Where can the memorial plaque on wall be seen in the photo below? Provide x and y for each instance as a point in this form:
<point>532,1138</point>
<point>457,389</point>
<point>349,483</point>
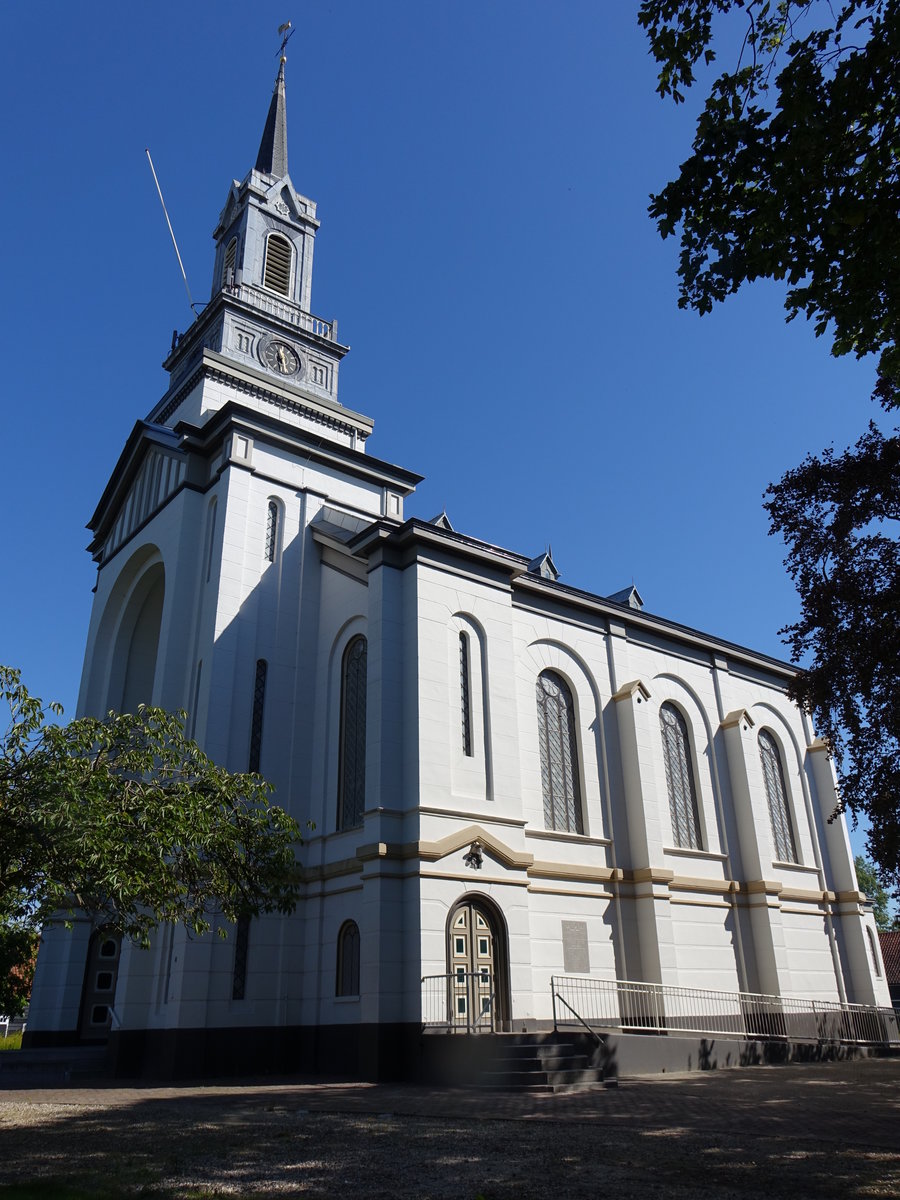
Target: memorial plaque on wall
<point>575,948</point>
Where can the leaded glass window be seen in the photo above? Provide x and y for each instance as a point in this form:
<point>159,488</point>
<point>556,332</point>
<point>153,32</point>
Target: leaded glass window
<point>277,272</point>
<point>239,972</point>
<point>776,794</point>
<point>347,981</point>
<point>680,778</point>
<point>352,767</point>
<point>559,754</point>
<point>465,710</point>
<point>256,721</point>
<point>271,531</point>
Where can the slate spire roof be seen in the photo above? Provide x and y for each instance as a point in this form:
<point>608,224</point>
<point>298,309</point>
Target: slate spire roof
<point>272,158</point>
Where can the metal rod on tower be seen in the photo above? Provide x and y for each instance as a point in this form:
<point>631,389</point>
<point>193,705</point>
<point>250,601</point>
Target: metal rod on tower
<point>171,231</point>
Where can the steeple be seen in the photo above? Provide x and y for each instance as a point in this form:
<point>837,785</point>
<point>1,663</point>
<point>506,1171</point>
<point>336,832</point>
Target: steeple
<point>273,155</point>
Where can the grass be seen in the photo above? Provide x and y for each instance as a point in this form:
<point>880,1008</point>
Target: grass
<point>12,1041</point>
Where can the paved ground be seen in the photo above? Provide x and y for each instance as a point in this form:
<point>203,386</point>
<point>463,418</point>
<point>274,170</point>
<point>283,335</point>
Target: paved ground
<point>780,1132</point>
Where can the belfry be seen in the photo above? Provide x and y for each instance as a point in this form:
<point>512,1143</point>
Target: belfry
<point>533,808</point>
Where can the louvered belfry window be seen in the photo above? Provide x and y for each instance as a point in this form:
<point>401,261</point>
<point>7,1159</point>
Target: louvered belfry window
<point>347,982</point>
<point>680,778</point>
<point>277,273</point>
<point>464,704</point>
<point>776,794</point>
<point>228,265</point>
<point>352,767</point>
<point>559,754</point>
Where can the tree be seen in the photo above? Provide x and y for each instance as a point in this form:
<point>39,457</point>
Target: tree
<point>126,820</point>
<point>795,175</point>
<point>867,878</point>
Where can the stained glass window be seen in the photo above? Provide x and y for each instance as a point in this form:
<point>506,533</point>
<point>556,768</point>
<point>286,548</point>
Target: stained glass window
<point>271,531</point>
<point>348,960</point>
<point>256,721</point>
<point>464,704</point>
<point>680,778</point>
<point>352,770</point>
<point>776,794</point>
<point>559,754</point>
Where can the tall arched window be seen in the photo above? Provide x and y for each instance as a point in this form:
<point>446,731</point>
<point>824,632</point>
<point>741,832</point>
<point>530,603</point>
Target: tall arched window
<point>271,545</point>
<point>352,766</point>
<point>559,754</point>
<point>776,794</point>
<point>465,709</point>
<point>277,270</point>
<point>680,778</point>
<point>347,977</point>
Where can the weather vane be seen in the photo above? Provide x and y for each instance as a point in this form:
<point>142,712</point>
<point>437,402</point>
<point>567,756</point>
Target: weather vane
<point>286,33</point>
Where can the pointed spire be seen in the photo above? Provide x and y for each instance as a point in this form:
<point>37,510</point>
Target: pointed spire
<point>272,158</point>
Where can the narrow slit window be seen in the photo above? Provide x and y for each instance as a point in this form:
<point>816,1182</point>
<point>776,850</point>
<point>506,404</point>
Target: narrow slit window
<point>873,947</point>
<point>271,531</point>
<point>347,982</point>
<point>680,778</point>
<point>241,946</point>
<point>465,707</point>
<point>352,765</point>
<point>256,720</point>
<point>277,272</point>
<point>559,754</point>
<point>776,795</point>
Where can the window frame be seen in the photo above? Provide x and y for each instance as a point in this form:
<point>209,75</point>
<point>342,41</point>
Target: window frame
<point>693,821</point>
<point>345,821</point>
<point>276,291</point>
<point>348,939</point>
<point>574,803</point>
<point>773,747</point>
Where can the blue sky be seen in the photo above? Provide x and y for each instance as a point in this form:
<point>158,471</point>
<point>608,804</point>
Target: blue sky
<point>482,172</point>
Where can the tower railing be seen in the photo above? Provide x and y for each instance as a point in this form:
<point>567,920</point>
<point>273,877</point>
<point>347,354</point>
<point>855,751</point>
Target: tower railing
<point>634,1007</point>
<point>285,310</point>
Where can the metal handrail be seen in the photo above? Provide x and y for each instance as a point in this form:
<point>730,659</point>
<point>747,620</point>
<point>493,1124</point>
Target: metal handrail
<point>556,996</point>
<point>661,1008</point>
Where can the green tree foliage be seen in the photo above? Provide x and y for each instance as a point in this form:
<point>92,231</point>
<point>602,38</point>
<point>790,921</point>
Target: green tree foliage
<point>127,820</point>
<point>794,170</point>
<point>867,877</point>
<point>18,948</point>
<point>795,175</point>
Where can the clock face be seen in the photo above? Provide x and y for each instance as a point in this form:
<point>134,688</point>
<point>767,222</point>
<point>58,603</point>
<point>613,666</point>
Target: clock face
<point>280,357</point>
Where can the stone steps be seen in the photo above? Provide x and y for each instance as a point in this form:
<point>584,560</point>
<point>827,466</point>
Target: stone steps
<point>540,1064</point>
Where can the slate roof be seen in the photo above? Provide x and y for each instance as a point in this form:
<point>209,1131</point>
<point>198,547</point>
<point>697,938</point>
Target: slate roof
<point>272,158</point>
<point>890,952</point>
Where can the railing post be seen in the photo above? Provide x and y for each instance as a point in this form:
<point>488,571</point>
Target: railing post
<point>553,998</point>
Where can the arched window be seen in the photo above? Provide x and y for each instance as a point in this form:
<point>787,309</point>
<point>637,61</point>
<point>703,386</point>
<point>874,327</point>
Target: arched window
<point>559,754</point>
<point>347,977</point>
<point>776,794</point>
<point>277,270</point>
<point>271,531</point>
<point>228,264</point>
<point>239,967</point>
<point>465,710</point>
<point>256,721</point>
<point>680,778</point>
<point>352,765</point>
<point>873,949</point>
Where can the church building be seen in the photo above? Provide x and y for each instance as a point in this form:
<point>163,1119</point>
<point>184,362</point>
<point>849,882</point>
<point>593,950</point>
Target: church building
<point>515,786</point>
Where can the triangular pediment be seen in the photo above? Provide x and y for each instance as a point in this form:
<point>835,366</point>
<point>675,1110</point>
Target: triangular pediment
<point>284,198</point>
<point>151,467</point>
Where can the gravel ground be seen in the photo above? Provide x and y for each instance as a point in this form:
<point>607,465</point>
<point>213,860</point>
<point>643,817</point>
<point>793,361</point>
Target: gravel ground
<point>677,1139</point>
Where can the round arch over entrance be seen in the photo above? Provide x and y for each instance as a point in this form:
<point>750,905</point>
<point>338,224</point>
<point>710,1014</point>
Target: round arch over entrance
<point>478,965</point>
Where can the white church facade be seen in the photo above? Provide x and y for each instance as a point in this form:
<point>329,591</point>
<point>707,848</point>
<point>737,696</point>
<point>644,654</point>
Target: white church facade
<point>509,780</point>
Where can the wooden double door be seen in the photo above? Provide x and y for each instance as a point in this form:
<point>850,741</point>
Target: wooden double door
<point>476,962</point>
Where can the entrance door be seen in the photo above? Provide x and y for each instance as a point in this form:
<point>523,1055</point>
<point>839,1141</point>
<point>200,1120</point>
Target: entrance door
<point>473,967</point>
<point>100,975</point>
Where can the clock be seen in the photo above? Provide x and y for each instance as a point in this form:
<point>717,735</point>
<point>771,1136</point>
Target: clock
<point>280,356</point>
